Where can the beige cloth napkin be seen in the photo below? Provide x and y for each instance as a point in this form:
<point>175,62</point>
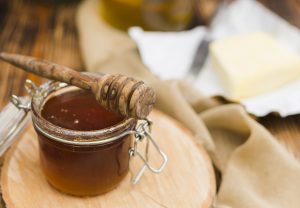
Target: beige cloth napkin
<point>256,170</point>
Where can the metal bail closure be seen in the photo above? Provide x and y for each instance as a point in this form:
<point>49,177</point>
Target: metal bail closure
<point>143,131</point>
<point>30,87</point>
<point>23,103</point>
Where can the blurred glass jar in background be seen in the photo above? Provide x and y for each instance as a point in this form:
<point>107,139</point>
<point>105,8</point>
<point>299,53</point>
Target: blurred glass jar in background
<point>157,15</point>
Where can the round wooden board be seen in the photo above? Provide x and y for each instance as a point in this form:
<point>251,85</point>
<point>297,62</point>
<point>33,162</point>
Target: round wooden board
<point>187,181</point>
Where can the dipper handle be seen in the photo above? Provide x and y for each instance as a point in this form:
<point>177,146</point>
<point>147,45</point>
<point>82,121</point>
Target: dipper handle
<point>119,93</point>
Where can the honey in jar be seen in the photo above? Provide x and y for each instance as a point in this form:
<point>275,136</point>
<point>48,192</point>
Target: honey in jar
<point>83,147</point>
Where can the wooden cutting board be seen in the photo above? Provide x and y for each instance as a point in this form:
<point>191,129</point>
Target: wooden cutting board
<point>187,181</point>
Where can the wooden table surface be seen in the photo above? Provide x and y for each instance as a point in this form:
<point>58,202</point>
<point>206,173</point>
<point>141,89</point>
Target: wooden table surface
<point>50,32</point>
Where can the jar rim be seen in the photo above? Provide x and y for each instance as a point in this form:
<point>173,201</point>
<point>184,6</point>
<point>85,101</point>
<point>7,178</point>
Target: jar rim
<point>70,136</point>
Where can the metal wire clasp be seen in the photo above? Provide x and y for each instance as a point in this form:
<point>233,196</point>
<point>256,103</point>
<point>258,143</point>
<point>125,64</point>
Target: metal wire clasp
<point>141,132</point>
<point>31,88</point>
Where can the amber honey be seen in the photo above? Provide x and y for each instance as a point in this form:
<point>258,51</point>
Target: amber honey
<point>81,150</point>
<point>78,110</point>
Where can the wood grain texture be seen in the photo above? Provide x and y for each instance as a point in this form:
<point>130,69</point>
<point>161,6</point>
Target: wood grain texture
<point>187,181</point>
<point>41,31</point>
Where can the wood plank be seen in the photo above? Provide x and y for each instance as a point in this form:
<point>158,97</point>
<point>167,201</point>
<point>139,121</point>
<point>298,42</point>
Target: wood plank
<point>42,31</point>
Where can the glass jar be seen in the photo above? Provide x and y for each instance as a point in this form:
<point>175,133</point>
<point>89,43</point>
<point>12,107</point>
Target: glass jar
<point>81,162</point>
<point>85,163</point>
<point>157,15</point>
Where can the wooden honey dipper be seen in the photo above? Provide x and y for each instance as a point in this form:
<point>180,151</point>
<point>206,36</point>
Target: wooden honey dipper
<point>114,92</point>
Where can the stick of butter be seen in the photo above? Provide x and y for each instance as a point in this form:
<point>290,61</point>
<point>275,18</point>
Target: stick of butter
<point>252,64</point>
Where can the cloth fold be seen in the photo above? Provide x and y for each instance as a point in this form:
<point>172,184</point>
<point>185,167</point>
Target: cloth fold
<point>256,170</point>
